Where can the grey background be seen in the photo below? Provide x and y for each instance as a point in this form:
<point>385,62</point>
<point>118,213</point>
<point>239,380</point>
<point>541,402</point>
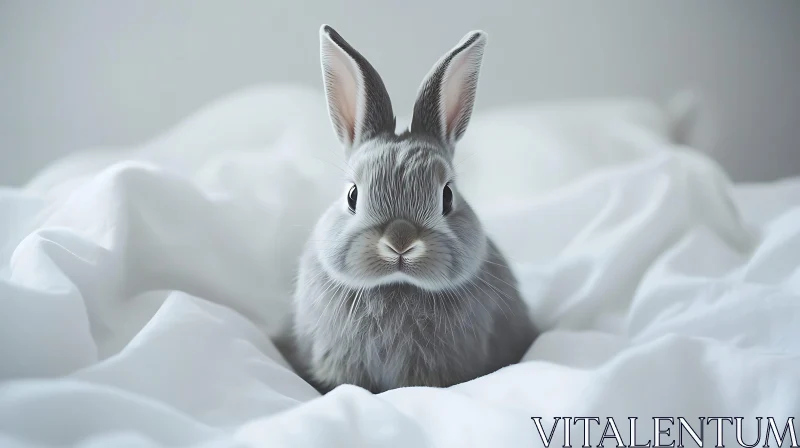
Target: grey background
<point>86,73</point>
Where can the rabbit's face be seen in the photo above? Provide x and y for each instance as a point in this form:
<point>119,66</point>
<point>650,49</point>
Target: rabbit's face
<point>400,219</point>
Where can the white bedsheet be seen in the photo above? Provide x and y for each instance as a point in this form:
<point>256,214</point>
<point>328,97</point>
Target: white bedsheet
<point>136,286</point>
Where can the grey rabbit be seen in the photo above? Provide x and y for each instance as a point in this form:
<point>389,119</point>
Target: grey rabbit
<point>398,285</point>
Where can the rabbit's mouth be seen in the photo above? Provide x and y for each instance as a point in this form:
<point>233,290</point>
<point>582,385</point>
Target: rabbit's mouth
<point>400,267</point>
<point>401,258</point>
<point>401,264</point>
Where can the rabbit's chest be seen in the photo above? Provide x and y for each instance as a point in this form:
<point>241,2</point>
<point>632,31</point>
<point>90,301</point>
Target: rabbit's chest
<point>394,337</point>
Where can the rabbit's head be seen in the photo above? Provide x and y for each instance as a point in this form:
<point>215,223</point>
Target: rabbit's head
<point>400,217</point>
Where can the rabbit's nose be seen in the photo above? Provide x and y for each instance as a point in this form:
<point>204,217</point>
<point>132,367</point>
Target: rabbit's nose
<point>401,237</point>
<point>400,251</point>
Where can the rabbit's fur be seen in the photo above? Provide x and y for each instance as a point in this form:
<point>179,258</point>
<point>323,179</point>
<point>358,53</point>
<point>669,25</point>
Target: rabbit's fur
<point>399,285</point>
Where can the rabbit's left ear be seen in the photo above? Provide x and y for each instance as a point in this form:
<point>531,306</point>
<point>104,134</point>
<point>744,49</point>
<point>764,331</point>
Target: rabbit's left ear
<point>358,103</point>
<point>446,97</point>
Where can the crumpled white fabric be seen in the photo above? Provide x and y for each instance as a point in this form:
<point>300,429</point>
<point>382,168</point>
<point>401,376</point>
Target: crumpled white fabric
<point>138,286</point>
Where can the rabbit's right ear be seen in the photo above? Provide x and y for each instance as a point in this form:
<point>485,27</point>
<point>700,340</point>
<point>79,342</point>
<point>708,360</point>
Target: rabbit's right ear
<point>358,103</point>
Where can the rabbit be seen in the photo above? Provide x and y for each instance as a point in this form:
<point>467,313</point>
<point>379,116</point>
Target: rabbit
<point>398,285</point>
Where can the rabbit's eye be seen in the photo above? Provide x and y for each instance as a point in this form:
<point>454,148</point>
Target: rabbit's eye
<point>447,200</point>
<point>352,198</point>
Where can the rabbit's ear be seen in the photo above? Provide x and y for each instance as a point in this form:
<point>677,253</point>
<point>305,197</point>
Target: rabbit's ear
<point>446,96</point>
<point>358,103</point>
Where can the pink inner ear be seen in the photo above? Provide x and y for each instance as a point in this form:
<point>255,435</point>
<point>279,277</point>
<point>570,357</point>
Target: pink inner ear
<point>343,91</point>
<point>454,91</point>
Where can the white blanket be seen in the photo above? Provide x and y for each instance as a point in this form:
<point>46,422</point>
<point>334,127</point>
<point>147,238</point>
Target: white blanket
<point>138,286</point>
